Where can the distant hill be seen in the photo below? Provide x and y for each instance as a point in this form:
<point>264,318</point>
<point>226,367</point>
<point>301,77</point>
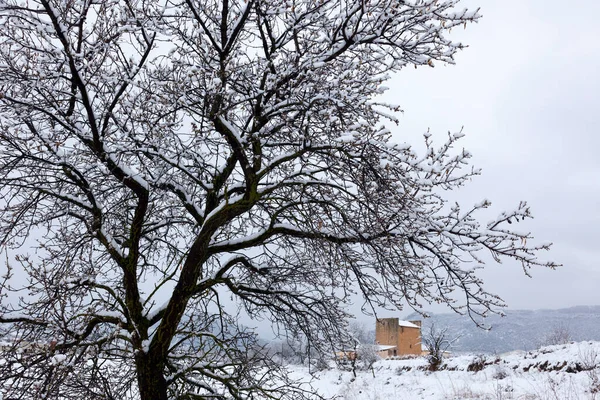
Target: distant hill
<point>519,329</point>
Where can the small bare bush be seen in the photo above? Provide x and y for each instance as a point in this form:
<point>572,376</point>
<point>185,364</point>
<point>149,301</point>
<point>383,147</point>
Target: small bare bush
<point>590,362</point>
<point>559,334</point>
<point>500,373</point>
<point>477,364</point>
<point>437,341</point>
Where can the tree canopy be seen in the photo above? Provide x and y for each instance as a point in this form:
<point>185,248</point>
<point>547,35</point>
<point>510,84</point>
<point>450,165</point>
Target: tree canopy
<point>158,156</point>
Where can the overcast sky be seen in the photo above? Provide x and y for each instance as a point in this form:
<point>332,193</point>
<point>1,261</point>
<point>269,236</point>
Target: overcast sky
<point>527,93</point>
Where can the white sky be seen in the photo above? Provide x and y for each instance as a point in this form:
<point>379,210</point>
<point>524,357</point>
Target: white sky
<point>527,93</point>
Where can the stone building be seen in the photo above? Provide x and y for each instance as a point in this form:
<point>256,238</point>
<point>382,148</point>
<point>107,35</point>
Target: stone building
<point>400,338</point>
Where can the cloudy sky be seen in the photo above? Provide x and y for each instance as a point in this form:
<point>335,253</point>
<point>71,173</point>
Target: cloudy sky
<point>528,95</point>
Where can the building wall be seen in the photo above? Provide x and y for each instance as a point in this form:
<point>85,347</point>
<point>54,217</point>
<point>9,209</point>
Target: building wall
<point>407,340</point>
<point>386,331</point>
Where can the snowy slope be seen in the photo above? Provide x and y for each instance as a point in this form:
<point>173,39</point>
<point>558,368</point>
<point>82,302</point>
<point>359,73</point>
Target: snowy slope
<point>566,372</point>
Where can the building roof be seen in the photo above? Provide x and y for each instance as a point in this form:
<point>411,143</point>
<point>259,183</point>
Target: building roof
<point>376,347</point>
<point>407,324</point>
<point>383,347</point>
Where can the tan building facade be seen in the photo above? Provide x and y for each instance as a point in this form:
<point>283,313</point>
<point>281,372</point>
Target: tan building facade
<point>404,336</point>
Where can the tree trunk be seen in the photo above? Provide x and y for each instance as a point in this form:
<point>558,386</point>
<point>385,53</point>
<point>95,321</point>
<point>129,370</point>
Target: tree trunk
<point>151,381</point>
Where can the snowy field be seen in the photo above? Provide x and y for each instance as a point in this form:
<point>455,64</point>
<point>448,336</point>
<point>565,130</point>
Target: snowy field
<point>564,372</point>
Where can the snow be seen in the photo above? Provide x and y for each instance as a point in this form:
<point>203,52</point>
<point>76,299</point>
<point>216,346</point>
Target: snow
<point>234,131</point>
<point>155,310</point>
<point>58,359</point>
<point>560,372</point>
<point>548,373</point>
<point>382,347</point>
<point>407,324</point>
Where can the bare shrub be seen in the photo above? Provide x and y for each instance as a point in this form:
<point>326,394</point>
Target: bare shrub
<point>500,373</point>
<point>559,334</point>
<point>590,362</point>
<point>477,364</point>
<point>437,341</point>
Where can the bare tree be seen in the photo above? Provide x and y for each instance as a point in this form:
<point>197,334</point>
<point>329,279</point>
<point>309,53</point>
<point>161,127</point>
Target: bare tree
<point>362,333</point>
<point>437,341</point>
<point>558,334</point>
<point>158,156</point>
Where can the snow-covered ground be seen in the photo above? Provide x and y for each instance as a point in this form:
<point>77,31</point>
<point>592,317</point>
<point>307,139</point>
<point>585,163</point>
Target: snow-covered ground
<point>563,372</point>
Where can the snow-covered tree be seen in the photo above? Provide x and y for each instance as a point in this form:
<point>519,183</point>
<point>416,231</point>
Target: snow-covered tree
<point>157,157</point>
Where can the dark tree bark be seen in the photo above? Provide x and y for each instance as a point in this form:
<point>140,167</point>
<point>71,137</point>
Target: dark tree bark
<point>151,381</point>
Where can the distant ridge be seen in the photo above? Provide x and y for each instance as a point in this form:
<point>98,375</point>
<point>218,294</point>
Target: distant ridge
<point>519,329</point>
